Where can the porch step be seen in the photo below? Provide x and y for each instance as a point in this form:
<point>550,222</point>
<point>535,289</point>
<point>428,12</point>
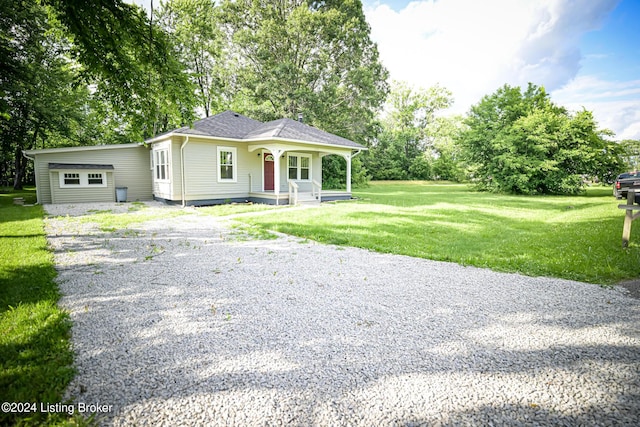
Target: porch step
<point>307,199</point>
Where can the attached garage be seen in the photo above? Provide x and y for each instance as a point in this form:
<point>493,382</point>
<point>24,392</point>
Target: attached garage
<point>92,174</point>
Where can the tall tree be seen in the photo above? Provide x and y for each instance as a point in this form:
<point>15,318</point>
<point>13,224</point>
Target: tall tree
<point>316,58</point>
<point>40,95</point>
<point>520,142</point>
<point>447,161</point>
<point>402,151</point>
<point>198,42</point>
<point>631,152</point>
<point>130,60</point>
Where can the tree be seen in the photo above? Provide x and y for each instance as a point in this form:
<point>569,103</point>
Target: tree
<point>318,59</point>
<point>198,43</point>
<point>520,142</point>
<point>129,59</point>
<point>314,58</point>
<point>447,154</point>
<point>401,150</point>
<point>40,96</point>
<point>631,152</point>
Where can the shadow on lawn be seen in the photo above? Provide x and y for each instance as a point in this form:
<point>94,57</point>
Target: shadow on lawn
<point>34,353</point>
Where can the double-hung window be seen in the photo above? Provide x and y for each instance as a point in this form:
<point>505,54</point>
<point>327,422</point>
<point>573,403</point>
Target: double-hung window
<point>161,162</point>
<point>227,164</point>
<point>299,167</point>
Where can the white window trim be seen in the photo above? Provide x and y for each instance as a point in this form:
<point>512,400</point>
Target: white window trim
<point>84,178</point>
<point>299,167</point>
<point>234,164</point>
<point>167,165</point>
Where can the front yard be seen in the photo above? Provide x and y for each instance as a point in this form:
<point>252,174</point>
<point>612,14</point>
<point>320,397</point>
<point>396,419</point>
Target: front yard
<point>575,238</point>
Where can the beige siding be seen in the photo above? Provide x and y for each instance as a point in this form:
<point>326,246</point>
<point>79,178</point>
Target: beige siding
<point>199,159</point>
<point>82,194</point>
<point>131,169</point>
<point>201,170</point>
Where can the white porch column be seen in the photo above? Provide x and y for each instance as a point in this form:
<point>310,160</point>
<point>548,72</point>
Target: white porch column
<point>348,158</point>
<point>276,170</point>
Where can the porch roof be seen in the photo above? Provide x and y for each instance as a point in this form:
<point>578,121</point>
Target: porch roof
<point>231,125</point>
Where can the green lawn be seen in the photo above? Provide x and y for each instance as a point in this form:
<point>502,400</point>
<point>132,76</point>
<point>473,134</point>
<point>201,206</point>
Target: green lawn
<point>570,237</point>
<point>35,356</point>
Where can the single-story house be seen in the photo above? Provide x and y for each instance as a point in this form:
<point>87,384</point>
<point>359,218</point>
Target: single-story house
<point>222,158</point>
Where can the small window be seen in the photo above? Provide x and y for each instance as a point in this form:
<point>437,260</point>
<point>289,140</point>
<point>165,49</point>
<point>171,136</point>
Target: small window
<point>162,165</point>
<point>227,168</point>
<point>71,179</point>
<point>95,179</point>
<point>299,167</point>
<point>304,168</point>
<point>293,167</point>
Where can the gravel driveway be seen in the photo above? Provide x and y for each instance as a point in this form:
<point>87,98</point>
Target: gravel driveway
<point>183,321</point>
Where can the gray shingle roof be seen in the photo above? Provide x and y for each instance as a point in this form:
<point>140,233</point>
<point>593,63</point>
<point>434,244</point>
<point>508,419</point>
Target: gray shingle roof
<point>224,125</point>
<point>291,129</point>
<point>236,126</point>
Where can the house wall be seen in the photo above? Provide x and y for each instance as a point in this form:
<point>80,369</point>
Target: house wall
<point>201,169</point>
<point>131,169</point>
<point>82,194</point>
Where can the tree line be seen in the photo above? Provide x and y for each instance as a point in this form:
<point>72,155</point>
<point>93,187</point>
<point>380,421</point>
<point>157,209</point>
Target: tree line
<point>87,72</point>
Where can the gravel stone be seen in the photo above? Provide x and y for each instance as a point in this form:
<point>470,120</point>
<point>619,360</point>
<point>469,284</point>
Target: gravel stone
<point>187,321</point>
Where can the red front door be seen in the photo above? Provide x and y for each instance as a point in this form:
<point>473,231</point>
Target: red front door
<point>268,172</point>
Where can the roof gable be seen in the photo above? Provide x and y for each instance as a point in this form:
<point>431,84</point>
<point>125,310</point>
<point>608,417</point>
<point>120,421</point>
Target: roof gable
<point>236,126</point>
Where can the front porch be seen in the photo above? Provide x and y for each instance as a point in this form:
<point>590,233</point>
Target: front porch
<point>291,173</point>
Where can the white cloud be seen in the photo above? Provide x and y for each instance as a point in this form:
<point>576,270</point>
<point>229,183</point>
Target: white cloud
<point>616,105</point>
<point>473,47</point>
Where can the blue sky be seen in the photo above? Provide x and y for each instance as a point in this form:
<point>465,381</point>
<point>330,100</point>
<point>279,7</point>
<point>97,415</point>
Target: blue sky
<point>586,53</point>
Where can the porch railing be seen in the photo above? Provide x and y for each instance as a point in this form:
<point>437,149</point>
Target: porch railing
<point>293,193</point>
<point>316,190</point>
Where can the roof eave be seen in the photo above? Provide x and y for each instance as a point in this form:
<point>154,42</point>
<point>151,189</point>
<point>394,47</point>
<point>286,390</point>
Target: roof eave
<point>81,148</point>
<point>300,141</point>
<point>258,140</point>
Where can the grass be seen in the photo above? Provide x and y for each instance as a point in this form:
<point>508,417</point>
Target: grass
<point>236,208</point>
<point>137,213</point>
<point>568,237</point>
<point>35,355</point>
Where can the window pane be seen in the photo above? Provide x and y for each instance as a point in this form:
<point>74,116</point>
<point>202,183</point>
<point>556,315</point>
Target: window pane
<point>72,179</point>
<point>226,158</point>
<point>226,172</point>
<point>293,161</point>
<point>293,173</point>
<point>304,174</point>
<point>304,162</point>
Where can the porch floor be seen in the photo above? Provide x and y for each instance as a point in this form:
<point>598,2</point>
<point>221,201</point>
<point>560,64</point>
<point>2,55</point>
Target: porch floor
<point>270,197</point>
